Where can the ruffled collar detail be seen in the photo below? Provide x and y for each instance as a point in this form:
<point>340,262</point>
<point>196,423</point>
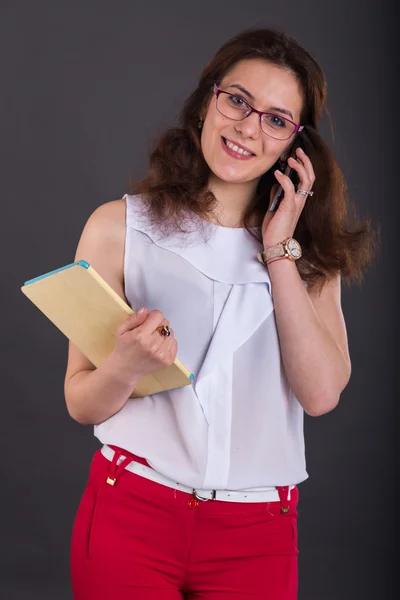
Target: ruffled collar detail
<point>224,254</point>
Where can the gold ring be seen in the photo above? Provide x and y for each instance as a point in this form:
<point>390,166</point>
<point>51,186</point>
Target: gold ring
<point>164,330</point>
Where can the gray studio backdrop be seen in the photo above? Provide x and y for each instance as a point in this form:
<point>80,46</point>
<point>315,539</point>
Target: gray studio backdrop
<point>86,88</point>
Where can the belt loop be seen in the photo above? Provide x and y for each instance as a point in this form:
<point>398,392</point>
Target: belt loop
<point>283,491</point>
<point>116,469</point>
<point>195,495</point>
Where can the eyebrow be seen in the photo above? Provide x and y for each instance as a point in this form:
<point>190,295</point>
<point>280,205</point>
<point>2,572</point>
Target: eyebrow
<point>251,97</point>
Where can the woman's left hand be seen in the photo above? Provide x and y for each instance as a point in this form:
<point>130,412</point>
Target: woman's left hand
<point>280,225</point>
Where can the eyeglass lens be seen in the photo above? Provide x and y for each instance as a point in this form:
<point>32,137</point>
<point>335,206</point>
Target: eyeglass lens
<point>236,108</point>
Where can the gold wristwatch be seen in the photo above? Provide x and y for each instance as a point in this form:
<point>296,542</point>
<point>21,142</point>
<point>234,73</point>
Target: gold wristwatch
<point>289,248</point>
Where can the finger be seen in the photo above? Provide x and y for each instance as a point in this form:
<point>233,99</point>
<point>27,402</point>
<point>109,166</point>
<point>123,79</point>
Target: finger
<point>154,318</point>
<point>133,321</point>
<point>286,183</point>
<point>169,342</point>
<point>164,333</point>
<point>304,180</point>
<point>167,350</point>
<point>158,329</point>
<point>172,349</point>
<point>300,154</point>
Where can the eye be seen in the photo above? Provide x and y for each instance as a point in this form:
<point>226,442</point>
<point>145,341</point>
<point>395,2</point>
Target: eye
<point>237,101</point>
<point>275,121</point>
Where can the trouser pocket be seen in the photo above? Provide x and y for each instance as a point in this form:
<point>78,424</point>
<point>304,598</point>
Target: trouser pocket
<point>85,517</point>
<point>92,523</point>
<point>295,533</point>
<point>83,528</point>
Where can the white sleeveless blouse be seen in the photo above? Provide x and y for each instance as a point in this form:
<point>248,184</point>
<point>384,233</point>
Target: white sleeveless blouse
<point>238,426</point>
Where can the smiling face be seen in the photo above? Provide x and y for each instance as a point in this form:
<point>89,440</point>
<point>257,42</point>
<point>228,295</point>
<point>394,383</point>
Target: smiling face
<point>269,88</point>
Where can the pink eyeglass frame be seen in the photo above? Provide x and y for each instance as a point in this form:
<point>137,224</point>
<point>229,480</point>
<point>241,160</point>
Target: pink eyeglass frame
<point>297,128</point>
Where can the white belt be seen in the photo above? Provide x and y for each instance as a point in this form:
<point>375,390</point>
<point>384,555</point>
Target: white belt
<point>224,495</point>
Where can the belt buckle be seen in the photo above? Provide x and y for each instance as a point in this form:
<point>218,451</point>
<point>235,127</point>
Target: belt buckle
<point>195,495</point>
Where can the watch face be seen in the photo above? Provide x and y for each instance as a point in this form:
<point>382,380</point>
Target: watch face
<point>294,248</point>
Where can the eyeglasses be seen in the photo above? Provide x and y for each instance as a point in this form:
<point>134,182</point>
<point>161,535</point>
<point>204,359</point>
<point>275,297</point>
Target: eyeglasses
<point>236,108</point>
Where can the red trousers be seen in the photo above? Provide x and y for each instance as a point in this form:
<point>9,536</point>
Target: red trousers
<point>140,540</point>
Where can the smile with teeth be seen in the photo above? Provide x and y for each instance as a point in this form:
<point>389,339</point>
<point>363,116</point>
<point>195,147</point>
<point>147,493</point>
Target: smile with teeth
<point>237,148</point>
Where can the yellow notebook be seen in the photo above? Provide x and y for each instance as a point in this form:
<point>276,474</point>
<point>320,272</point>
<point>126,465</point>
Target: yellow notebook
<point>88,311</point>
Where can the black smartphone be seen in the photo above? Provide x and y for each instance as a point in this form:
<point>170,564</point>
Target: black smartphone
<point>290,173</point>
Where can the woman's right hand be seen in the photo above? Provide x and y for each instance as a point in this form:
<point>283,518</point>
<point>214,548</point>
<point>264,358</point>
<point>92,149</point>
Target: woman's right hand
<point>140,349</point>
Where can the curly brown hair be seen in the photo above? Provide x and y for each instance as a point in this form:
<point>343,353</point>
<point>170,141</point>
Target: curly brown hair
<point>332,238</point>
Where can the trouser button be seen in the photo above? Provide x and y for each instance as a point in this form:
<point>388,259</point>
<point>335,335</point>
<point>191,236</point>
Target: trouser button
<point>192,503</point>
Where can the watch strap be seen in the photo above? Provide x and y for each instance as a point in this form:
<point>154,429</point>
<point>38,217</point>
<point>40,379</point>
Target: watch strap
<point>274,252</point>
<point>280,250</point>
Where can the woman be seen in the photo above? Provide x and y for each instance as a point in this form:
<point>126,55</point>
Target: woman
<point>194,493</point>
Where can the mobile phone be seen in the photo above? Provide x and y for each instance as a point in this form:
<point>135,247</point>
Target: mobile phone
<point>290,173</point>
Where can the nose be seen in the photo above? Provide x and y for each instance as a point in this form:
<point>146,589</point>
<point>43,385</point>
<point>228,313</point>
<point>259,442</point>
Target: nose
<point>250,126</point>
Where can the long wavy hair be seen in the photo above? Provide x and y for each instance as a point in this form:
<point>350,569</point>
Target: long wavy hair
<point>332,237</point>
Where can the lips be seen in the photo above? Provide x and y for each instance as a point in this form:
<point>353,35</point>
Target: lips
<point>238,145</point>
<point>233,153</point>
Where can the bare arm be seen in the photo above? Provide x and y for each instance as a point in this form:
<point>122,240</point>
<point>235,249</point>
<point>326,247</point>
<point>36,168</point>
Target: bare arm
<point>313,339</point>
<point>93,395</point>
<point>311,327</point>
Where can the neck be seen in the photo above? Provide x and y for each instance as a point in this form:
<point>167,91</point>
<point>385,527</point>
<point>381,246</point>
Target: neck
<point>233,200</point>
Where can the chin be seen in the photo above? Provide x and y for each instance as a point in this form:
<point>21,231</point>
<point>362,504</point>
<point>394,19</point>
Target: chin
<point>231,175</point>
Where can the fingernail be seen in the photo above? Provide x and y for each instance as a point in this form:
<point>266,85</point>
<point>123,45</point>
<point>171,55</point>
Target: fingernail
<point>277,172</point>
<point>301,150</point>
<point>140,311</point>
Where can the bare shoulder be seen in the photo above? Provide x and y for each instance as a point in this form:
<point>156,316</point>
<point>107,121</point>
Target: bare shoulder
<point>108,219</point>
<point>102,243</point>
